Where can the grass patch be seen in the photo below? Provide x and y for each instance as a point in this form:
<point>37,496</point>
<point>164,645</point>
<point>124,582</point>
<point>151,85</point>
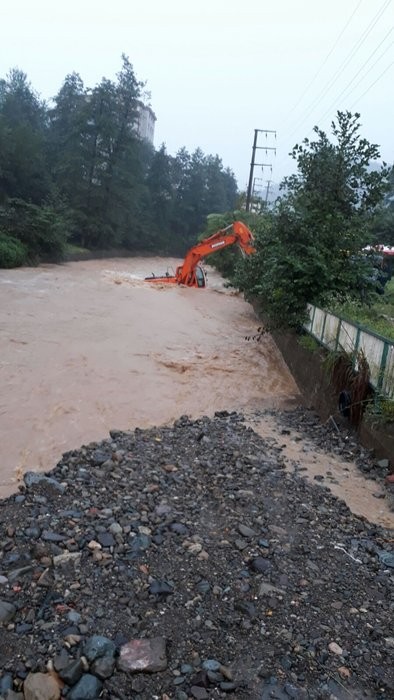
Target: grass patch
<point>308,342</point>
<point>379,317</point>
<point>381,411</point>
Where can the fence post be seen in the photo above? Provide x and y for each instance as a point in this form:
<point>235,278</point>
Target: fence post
<point>338,332</point>
<point>382,380</point>
<point>313,318</point>
<point>383,363</point>
<point>356,345</point>
<point>323,327</point>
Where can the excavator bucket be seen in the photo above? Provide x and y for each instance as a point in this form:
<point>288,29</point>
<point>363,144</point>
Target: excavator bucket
<point>164,279</point>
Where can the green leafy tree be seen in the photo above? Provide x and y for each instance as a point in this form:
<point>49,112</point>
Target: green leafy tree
<point>42,230</point>
<point>12,252</point>
<point>79,171</point>
<point>68,152</point>
<point>31,222</point>
<point>201,187</point>
<point>98,161</point>
<point>382,222</point>
<point>122,175</point>
<point>310,249</point>
<point>23,171</point>
<point>65,144</point>
<point>161,192</point>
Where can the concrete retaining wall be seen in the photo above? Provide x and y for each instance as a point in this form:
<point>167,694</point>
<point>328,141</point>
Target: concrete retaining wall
<point>313,381</point>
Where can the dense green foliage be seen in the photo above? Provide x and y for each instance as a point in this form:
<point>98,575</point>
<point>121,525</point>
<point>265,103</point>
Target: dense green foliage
<point>308,247</point>
<point>12,252</point>
<point>382,220</point>
<point>77,172</point>
<point>377,316</point>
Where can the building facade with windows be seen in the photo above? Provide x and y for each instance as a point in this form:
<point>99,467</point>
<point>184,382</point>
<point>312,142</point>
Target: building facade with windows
<point>145,122</point>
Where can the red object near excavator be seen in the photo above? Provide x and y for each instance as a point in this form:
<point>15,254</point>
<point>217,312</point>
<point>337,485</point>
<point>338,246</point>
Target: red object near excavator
<point>191,273</point>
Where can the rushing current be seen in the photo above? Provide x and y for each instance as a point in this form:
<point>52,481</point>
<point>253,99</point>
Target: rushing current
<point>90,346</point>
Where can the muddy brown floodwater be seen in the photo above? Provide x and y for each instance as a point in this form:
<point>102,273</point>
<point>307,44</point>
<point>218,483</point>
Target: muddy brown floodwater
<point>90,346</point>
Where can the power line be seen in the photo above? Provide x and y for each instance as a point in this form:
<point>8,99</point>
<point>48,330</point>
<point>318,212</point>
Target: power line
<point>327,57</point>
<point>371,67</point>
<point>374,83</point>
<point>344,64</point>
<point>369,88</point>
<point>359,71</point>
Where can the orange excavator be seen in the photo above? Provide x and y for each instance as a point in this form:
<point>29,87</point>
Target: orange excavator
<point>190,273</point>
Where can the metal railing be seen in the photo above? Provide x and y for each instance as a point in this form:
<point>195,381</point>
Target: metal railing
<point>336,333</point>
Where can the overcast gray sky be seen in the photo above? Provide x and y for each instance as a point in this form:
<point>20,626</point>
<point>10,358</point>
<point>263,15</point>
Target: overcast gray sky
<point>218,69</point>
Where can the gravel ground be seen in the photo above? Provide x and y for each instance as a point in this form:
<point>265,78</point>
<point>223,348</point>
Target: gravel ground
<point>337,438</point>
<point>244,580</point>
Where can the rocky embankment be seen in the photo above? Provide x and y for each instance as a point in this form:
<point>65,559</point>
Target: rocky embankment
<point>185,562</point>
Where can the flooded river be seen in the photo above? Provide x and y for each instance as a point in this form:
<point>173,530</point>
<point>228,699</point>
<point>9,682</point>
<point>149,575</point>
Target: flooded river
<point>90,346</point>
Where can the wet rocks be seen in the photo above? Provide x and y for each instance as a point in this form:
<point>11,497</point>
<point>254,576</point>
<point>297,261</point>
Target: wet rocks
<point>161,588</point>
<point>103,667</point>
<point>88,688</point>
<point>183,562</point>
<point>148,655</point>
<point>7,611</point>
<point>96,647</point>
<point>6,683</point>
<point>335,438</point>
<point>260,565</point>
<point>72,672</point>
<point>41,686</point>
<point>387,558</point>
<point>199,693</point>
<point>246,531</point>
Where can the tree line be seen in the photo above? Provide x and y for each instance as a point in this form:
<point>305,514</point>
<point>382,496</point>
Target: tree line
<point>76,171</point>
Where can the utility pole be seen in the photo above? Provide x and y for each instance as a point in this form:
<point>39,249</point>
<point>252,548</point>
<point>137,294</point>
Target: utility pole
<point>268,189</point>
<point>256,201</point>
<point>253,163</point>
<point>257,187</point>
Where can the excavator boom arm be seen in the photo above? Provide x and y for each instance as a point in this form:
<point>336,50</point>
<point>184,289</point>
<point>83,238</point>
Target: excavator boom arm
<point>237,232</point>
<point>190,272</point>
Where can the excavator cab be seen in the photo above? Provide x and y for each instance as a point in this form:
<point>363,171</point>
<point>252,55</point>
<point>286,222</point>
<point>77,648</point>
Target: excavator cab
<point>200,277</point>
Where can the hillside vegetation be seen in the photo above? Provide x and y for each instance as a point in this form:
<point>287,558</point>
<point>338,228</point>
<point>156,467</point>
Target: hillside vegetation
<point>76,171</point>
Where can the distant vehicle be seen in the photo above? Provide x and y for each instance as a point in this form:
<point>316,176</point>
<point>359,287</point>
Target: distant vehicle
<point>382,259</point>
